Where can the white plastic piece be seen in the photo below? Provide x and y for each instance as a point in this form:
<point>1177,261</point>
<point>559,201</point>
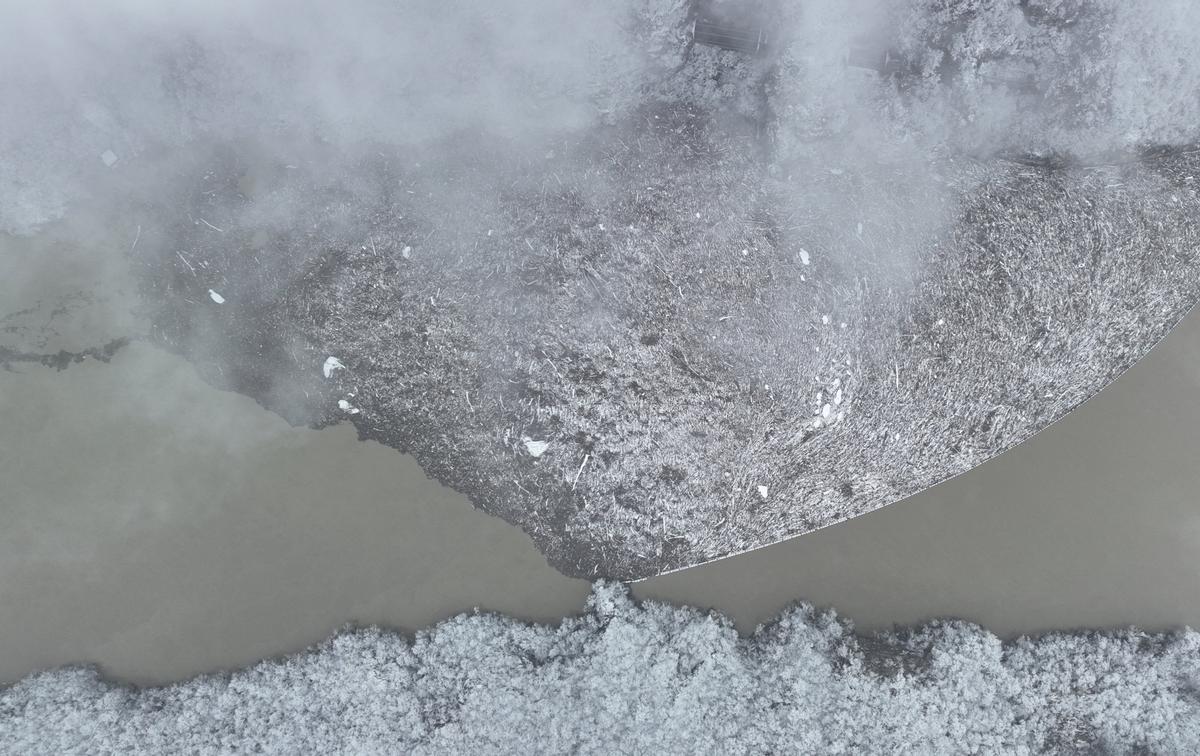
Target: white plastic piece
<point>804,259</point>
<point>214,296</point>
<point>536,448</point>
<point>332,364</point>
<point>109,157</point>
<point>347,407</point>
<point>762,491</point>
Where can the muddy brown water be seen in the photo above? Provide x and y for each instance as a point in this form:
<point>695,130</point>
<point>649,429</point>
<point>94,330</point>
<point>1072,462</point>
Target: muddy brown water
<point>157,527</point>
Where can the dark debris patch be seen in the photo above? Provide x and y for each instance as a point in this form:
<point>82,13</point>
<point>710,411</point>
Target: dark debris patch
<point>61,359</point>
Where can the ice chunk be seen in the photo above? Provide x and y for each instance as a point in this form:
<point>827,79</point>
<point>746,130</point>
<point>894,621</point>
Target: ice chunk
<point>804,259</point>
<point>332,364</point>
<point>214,296</point>
<point>536,448</point>
<point>109,157</point>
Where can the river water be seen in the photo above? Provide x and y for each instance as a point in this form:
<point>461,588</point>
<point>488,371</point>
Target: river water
<point>158,527</point>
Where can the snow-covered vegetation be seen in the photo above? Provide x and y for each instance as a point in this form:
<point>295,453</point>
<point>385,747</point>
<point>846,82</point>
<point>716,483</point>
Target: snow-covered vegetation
<point>1055,76</point>
<point>654,678</point>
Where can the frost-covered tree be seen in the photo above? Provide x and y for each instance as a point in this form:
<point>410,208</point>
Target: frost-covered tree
<point>654,678</point>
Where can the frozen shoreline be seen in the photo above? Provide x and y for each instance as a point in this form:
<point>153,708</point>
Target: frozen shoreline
<point>113,558</point>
